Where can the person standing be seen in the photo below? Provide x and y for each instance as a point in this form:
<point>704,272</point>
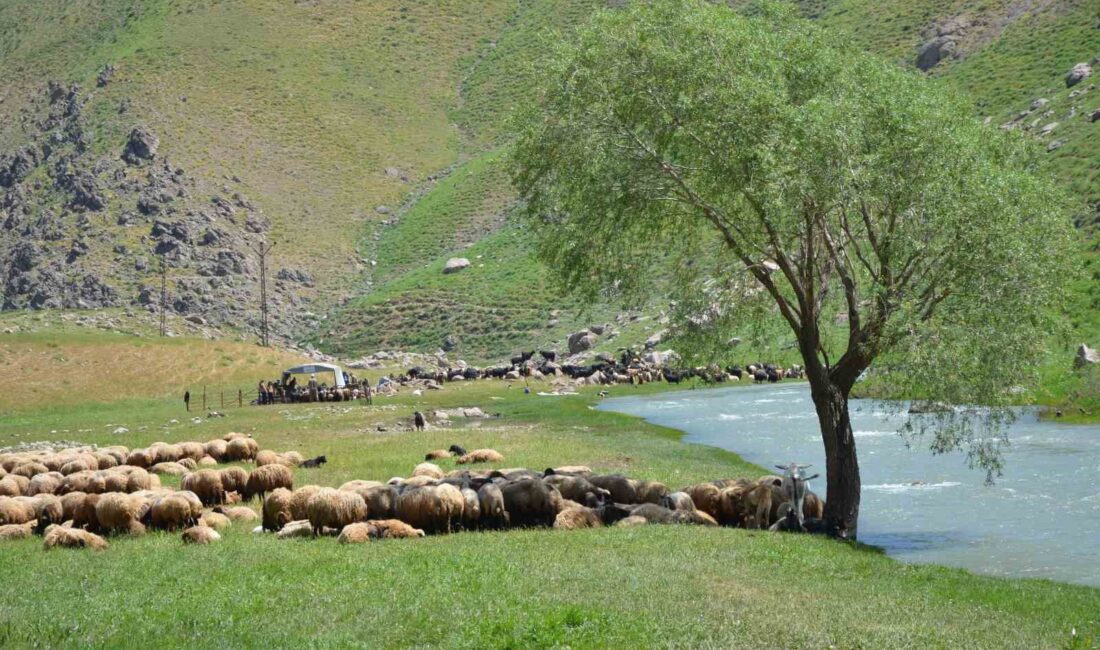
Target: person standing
<point>187,400</point>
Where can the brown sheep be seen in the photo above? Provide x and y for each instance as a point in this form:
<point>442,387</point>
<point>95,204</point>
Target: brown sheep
<point>84,516</point>
<point>471,509</point>
<point>678,501</point>
<point>234,479</point>
<point>268,457</point>
<point>47,510</point>
<point>215,520</point>
<point>70,503</point>
<point>170,468</point>
<point>188,464</point>
<point>430,508</point>
<point>358,485</point>
<point>575,470</point>
<point>656,514</point>
<point>105,460</point>
<point>706,497</point>
<point>16,531</point>
<point>276,511</point>
<point>207,461</point>
<point>621,488</point>
<point>48,483</point>
<point>358,533</point>
<point>241,449</point>
<point>381,501</point>
<point>430,470</point>
<point>140,458</point>
<point>650,491</point>
<point>200,535</point>
<point>11,487</point>
<point>172,512</point>
<point>233,435</point>
<point>632,521</point>
<point>813,507</point>
<point>16,510</point>
<point>530,502</point>
<point>293,459</point>
<point>139,479</point>
<point>574,518</point>
<point>481,456</point>
<point>392,529</point>
<point>295,529</point>
<point>436,454</point>
<point>331,508</point>
<point>491,500</point>
<point>300,499</point>
<point>216,449</point>
<point>749,506</point>
<point>115,481</point>
<point>265,479</point>
<point>239,513</point>
<point>576,488</point>
<point>193,450</point>
<point>120,513</point>
<point>207,484</point>
<point>29,470</point>
<point>59,536</point>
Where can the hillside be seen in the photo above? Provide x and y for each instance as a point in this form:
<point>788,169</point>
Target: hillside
<point>367,139</point>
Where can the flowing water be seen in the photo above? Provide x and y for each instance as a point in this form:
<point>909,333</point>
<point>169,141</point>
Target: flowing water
<point>1041,519</point>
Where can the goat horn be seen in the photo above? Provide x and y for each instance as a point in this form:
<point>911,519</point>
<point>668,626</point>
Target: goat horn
<point>805,466</point>
<point>781,467</point>
<point>810,478</point>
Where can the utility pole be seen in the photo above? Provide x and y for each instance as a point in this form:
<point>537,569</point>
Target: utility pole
<point>163,294</point>
<point>262,249</point>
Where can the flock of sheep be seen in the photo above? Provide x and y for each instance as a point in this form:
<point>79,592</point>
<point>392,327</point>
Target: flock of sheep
<point>75,497</point>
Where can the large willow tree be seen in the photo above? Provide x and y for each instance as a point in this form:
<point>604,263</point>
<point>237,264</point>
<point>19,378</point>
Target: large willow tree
<point>727,158</point>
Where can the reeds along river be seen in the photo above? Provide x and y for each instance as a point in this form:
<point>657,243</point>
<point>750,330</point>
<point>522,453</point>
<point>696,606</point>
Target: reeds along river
<point>1041,519</point>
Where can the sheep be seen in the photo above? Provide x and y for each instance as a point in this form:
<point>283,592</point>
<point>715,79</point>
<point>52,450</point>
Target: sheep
<point>165,453</point>
<point>750,506</point>
<point>418,421</point>
<point>392,529</point>
<point>59,536</point>
<point>812,506</point>
<point>621,488</point>
<point>234,479</point>
<point>436,454</point>
<point>706,497</point>
<point>84,514</point>
<point>457,450</point>
<point>331,508</point>
<point>71,467</point>
<point>114,481</point>
<point>241,449</point>
<point>574,518</point>
<point>276,511</point>
<point>531,502</point>
<point>576,488</point>
<point>193,450</point>
<point>677,501</point>
<point>493,514</point>
<point>16,510</point>
<point>632,521</point>
<point>207,461</point>
<point>200,535</point>
<point>357,533</point>
<point>381,501</point>
<point>188,464</point>
<point>10,487</point>
<point>215,520</point>
<point>105,460</point>
<point>295,529</point>
<point>358,485</point>
<point>430,508</point>
<point>70,503</point>
<point>314,462</point>
<point>121,513</point>
<point>233,435</point>
<point>140,458</point>
<point>650,491</point>
<point>216,449</point>
<point>656,514</point>
<point>481,456</point>
<point>16,531</point>
<point>170,468</point>
<point>207,484</point>
<point>471,509</point>
<point>239,513</point>
<point>428,469</point>
<point>47,510</point>
<point>300,499</point>
<point>48,483</point>
<point>268,457</point>
<point>29,470</point>
<point>139,479</point>
<point>267,478</point>
<point>173,511</point>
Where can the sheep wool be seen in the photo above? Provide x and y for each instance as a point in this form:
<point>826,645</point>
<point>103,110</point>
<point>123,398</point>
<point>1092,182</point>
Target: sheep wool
<point>215,520</point>
<point>300,499</point>
<point>120,513</point>
<point>234,479</point>
<point>276,511</point>
<point>632,521</point>
<point>170,468</point>
<point>61,537</point>
<point>392,529</point>
<point>207,484</point>
<point>481,456</point>
<point>706,497</point>
<point>265,479</point>
<point>16,531</point>
<point>436,454</point>
<point>574,518</point>
<point>240,513</point>
<point>431,470</point>
<point>331,508</point>
<point>357,533</point>
<point>200,535</point>
<point>171,512</point>
<point>296,529</point>
<point>14,510</point>
<point>215,449</point>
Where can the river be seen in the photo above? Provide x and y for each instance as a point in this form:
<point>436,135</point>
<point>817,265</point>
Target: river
<point>1040,520</point>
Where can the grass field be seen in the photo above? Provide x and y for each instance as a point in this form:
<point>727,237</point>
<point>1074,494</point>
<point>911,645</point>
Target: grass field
<point>646,587</point>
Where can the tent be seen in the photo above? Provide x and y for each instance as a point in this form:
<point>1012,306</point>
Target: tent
<point>316,369</point>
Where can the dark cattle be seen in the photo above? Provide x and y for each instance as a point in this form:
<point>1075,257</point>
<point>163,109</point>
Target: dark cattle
<point>314,462</point>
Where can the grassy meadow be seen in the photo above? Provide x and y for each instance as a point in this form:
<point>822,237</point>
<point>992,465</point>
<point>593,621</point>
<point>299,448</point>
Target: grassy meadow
<point>650,586</point>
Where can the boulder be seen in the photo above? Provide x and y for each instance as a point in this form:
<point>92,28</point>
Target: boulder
<point>1048,128</point>
<point>1086,356</point>
<point>941,42</point>
<point>581,341</point>
<point>141,145</point>
<point>456,264</point>
<point>1095,116</point>
<point>655,340</point>
<point>1079,73</point>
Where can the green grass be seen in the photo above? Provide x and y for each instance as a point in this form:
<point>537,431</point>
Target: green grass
<point>647,587</point>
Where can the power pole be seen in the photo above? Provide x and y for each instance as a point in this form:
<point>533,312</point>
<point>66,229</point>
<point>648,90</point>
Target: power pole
<point>262,249</point>
<point>163,294</point>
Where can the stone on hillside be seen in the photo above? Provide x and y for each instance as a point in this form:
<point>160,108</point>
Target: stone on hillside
<point>734,342</point>
<point>104,76</point>
<point>456,264</point>
<point>141,145</point>
<point>655,340</point>
<point>1055,144</point>
<point>598,330</point>
<point>1095,116</point>
<point>1079,73</point>
<point>1086,356</point>
<point>581,341</point>
<point>1039,103</point>
<point>1048,129</point>
<point>942,42</point>
<point>382,209</point>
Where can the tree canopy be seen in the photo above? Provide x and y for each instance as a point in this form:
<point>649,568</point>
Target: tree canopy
<point>731,158</point>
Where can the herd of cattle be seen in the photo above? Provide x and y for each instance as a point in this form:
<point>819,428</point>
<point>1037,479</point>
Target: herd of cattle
<point>75,497</point>
<point>629,368</point>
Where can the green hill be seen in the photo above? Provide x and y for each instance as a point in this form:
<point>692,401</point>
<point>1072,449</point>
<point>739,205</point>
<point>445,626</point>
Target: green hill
<point>366,139</point>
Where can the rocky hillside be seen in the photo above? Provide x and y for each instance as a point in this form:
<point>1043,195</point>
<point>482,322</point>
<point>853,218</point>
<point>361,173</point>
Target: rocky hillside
<point>365,140</point>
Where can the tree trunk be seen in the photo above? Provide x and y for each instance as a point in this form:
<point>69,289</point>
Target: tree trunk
<point>841,466</point>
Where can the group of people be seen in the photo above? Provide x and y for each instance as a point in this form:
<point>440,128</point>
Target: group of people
<point>290,391</point>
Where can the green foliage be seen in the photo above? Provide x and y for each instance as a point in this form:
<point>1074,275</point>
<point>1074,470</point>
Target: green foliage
<point>764,158</point>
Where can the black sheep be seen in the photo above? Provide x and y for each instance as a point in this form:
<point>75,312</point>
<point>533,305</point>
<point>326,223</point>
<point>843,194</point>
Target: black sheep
<point>315,462</point>
<point>457,450</point>
<point>418,421</point>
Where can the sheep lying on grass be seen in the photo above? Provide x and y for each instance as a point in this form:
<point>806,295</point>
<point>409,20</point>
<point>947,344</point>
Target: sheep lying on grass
<point>62,537</point>
<point>200,535</point>
<point>481,456</point>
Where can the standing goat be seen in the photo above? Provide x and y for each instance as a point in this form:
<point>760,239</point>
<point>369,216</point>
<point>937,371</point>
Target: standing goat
<point>794,488</point>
